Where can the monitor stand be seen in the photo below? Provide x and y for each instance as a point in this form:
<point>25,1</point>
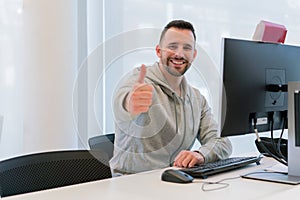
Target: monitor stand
<point>273,177</point>
<point>293,174</point>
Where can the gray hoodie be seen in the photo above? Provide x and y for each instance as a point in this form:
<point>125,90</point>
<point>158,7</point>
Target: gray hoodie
<point>152,140</point>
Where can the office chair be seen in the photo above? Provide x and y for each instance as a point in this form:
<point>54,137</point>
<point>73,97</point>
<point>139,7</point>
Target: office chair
<point>104,143</point>
<point>39,171</point>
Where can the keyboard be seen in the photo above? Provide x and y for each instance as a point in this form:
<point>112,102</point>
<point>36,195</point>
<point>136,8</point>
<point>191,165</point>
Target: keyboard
<point>205,170</point>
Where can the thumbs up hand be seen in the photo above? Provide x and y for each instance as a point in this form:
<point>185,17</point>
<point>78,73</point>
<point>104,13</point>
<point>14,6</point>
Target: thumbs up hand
<point>139,98</point>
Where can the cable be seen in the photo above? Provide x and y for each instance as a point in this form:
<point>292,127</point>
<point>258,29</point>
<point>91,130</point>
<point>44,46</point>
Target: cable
<point>276,148</point>
<point>264,172</point>
<point>267,150</point>
<point>271,118</point>
<point>280,138</point>
<point>261,144</point>
<point>220,183</point>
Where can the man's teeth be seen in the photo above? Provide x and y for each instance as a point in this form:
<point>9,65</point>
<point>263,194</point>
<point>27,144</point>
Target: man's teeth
<point>177,62</point>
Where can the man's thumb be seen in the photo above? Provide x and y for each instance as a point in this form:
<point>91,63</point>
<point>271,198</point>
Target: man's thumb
<point>142,74</point>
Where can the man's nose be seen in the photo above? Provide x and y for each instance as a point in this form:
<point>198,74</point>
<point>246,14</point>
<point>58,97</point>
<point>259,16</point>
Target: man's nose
<point>179,53</point>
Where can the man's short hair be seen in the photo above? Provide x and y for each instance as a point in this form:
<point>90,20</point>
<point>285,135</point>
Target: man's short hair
<point>180,24</point>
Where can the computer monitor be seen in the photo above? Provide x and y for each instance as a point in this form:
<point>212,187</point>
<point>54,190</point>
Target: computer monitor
<point>255,78</point>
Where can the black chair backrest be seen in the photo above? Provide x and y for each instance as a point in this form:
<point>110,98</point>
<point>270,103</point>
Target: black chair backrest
<point>47,170</point>
<point>104,143</point>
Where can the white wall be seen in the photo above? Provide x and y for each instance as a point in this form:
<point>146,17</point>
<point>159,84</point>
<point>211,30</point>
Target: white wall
<point>44,80</point>
<point>50,52</point>
<point>212,21</point>
<point>42,118</point>
<point>10,101</point>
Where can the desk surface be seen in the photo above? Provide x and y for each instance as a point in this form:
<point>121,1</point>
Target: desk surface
<point>148,185</point>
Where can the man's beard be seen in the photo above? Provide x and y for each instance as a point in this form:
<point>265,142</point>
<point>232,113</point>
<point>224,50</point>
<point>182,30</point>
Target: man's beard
<point>173,71</point>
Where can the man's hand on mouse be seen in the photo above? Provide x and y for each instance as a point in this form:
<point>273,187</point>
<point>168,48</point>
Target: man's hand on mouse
<point>188,159</point>
<point>139,98</point>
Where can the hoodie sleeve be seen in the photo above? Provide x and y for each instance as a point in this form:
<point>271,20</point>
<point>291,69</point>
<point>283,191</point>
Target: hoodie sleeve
<point>212,147</point>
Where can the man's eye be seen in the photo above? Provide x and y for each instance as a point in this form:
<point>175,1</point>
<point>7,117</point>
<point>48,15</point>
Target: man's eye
<point>172,47</point>
<point>187,48</point>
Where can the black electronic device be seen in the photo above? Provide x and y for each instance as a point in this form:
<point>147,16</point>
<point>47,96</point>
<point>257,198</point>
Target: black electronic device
<point>266,142</point>
<point>208,169</point>
<point>255,78</point>
<point>176,176</point>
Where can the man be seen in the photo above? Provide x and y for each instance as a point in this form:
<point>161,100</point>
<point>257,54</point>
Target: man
<point>158,115</point>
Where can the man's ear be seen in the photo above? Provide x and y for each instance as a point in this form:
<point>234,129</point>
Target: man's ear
<point>158,50</point>
<point>195,54</point>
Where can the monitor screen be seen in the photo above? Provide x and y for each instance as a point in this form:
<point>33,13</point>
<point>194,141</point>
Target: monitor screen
<point>255,77</point>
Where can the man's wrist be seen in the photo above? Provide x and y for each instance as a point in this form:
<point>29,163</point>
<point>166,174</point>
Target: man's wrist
<point>197,151</point>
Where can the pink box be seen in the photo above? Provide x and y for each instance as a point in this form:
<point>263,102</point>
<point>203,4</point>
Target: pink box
<point>270,32</point>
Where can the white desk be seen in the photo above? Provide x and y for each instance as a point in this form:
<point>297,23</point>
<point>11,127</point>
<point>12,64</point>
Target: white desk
<point>148,185</point>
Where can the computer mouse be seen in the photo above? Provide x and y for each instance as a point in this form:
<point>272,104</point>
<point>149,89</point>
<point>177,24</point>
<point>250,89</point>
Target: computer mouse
<point>176,176</point>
